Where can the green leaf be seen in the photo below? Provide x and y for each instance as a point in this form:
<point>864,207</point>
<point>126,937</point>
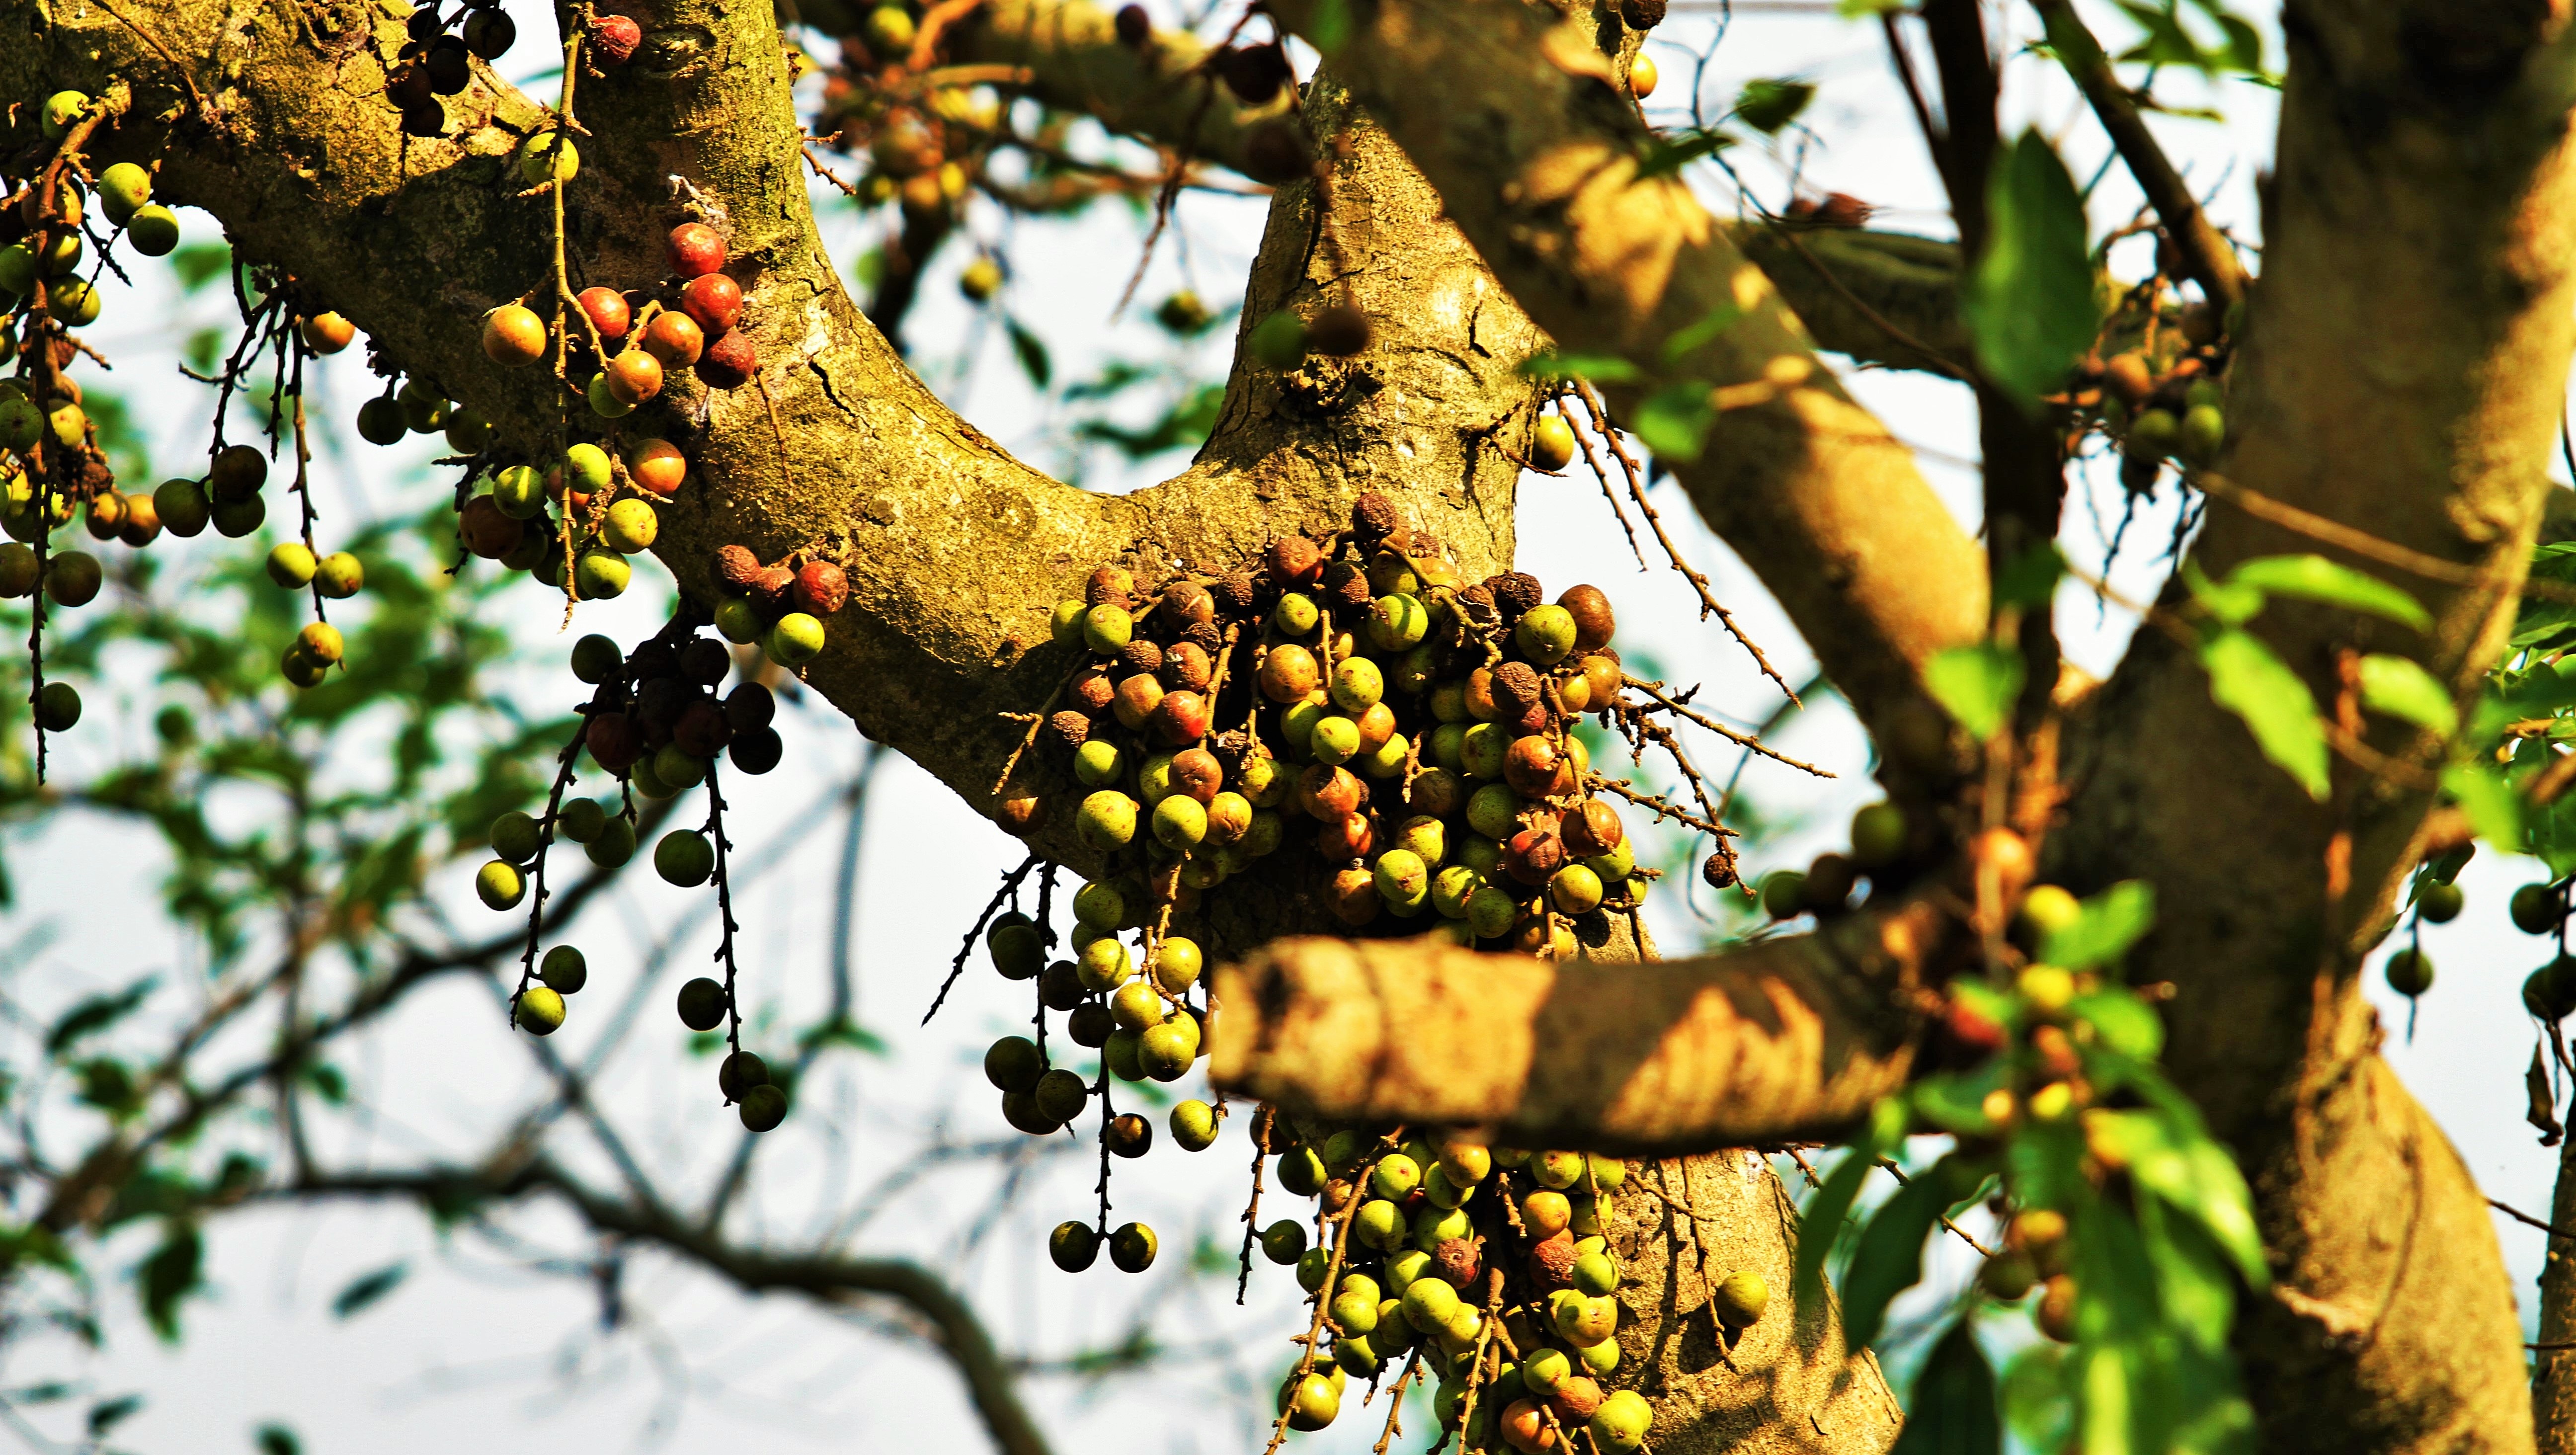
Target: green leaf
<point>2110,923</point>
<point>1598,368</point>
<point>1976,685</point>
<point>1328,25</point>
<point>2494,810</point>
<point>1889,1257</point>
<point>96,1014</point>
<point>1031,351</point>
<point>2035,1399</point>
<point>1767,104</point>
<point>2314,578</point>
<point>1822,1221</point>
<point>1665,156</point>
<point>2230,604</point>
<point>107,1414</point>
<point>2122,1022</point>
<point>2400,687</point>
<point>2102,1400</point>
<point>198,264</point>
<point>2249,681</point>
<point>1952,1410</point>
<point>1685,341</point>
<point>366,1288</point>
<point>1955,1101</point>
<point>1674,420</point>
<point>276,1439</point>
<point>2029,302</point>
<point>2031,580</point>
<point>170,1275</point>
<point>2174,1157</point>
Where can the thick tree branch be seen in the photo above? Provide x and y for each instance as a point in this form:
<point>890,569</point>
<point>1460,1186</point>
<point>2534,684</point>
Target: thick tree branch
<point>1537,153</point>
<point>1785,1040</point>
<point>826,1278</point>
<point>2402,373</point>
<point>2204,251</point>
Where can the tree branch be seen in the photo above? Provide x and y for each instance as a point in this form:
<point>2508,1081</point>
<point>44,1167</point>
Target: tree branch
<point>1536,154</point>
<point>1786,1040</point>
<point>826,1278</point>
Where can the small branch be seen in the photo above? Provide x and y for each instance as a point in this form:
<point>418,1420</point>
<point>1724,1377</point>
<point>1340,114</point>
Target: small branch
<point>1741,739</point>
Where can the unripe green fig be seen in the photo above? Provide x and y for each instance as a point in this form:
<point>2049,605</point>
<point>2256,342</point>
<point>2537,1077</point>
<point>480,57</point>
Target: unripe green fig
<point>1582,1319</point>
<point>1558,1169</point>
<point>1428,1302</point>
<point>499,886</point>
<point>1099,763</point>
<point>762,1108</point>
<point>1132,1248</point>
<point>596,659</point>
<point>684,857</point>
<point>738,1073</point>
<point>515,837</point>
<point>1177,962</point>
<point>1551,444</point>
<point>702,1004</point>
<point>631,526</point>
<point>1073,1246</point>
<point>1544,1369</point>
<point>1106,820</point>
<point>564,970</point>
<point>1104,964</point>
<point>2440,904</point>
<point>1180,822</point>
<point>2534,909</point>
<point>1310,1403</point>
<point>1064,626</point>
<point>601,575</point>
<point>1013,1064</point>
<point>1620,1425</point>
<point>1784,893</point>
<point>1106,628</point>
<point>290,564</point>
<point>1119,1054</point>
<point>540,1011</point>
<point>339,575</point>
<point>1060,1094</point>
<point>1574,889</point>
<point>1279,342</point>
<point>1601,1358</point>
<point>2153,435</point>
<point>1877,835</point>
<point>1301,1173</point>
<point>1545,634</point>
<point>2203,435</point>
<point>1165,1052</point>
<point>1193,1125</point>
<point>1740,1298</point>
<point>548,156</point>
<point>1284,1242</point>
<point>61,109</point>
<point>1099,906</point>
<point>1296,614</point>
<point>1595,1274</point>
<point>1136,1006</point>
<point>1379,1224</point>
<point>2409,972</point>
<point>614,844</point>
<point>1354,1312</point>
<point>1491,912</point>
<point>1395,1177</point>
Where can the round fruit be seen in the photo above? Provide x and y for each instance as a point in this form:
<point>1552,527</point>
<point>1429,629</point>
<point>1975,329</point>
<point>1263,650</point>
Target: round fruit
<point>1545,634</point>
<point>631,526</point>
<point>122,189</point>
<point>499,885</point>
<point>796,640</point>
<point>1132,1248</point>
<point>762,1108</point>
<point>1284,1241</point>
<point>548,156</point>
<point>18,569</point>
<point>339,575</point>
<point>657,466</point>
<point>513,336</point>
<point>61,110</point>
<point>2409,972</point>
<point>58,707</point>
<point>695,249</point>
<point>563,970</point>
<point>675,339</point>
<point>2534,909</point>
<point>290,564</point>
<point>596,659</point>
<point>702,1004</point>
<point>684,857</point>
<point>712,301</point>
<point>515,837</point>
<point>1310,1403</point>
<point>1105,629</point>
<point>1194,1126</point>
<point>1073,1246</point>
<point>1552,444</point>
<point>614,845</point>
<point>601,575</point>
<point>154,231</point>
<point>540,1012</point>
<point>1620,1425</point>
<point>1740,1299</point>
<point>1878,835</point>
<point>72,578</point>
<point>2440,903</point>
<point>980,280</point>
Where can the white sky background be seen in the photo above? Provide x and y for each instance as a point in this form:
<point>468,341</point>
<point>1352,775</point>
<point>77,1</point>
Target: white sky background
<point>475,1349</point>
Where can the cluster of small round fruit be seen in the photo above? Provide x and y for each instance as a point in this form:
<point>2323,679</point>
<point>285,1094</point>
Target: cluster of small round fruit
<point>2169,404</point>
<point>695,329</point>
<point>778,607</point>
<point>437,58</point>
<point>1489,1265</point>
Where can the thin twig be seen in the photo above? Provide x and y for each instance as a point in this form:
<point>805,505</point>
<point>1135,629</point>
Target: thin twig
<point>1741,739</point>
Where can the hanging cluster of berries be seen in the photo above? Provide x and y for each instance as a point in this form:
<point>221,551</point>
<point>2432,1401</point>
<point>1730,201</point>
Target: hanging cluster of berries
<point>437,58</point>
<point>657,723</point>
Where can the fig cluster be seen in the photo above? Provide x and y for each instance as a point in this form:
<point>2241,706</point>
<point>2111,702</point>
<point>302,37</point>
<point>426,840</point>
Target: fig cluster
<point>1490,1264</point>
<point>779,607</point>
<point>657,721</point>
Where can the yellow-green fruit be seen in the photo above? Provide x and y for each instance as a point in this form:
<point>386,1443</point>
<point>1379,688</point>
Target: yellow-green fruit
<point>290,564</point>
<point>1740,1299</point>
<point>74,301</point>
<point>1104,964</point>
<point>1177,963</point>
<point>1065,625</point>
<point>61,110</point>
<point>2153,435</point>
<point>1575,889</point>
<point>1582,1319</point>
<point>564,970</point>
<point>548,156</point>
<point>322,642</point>
<point>631,526</point>
<point>515,837</point>
<point>1284,1242</point>
<point>980,280</point>
<point>603,399</point>
<point>738,621</point>
<point>1179,822</point>
<point>541,1011</point>
<point>1105,629</point>
<point>1599,1358</point>
<point>614,845</point>
<point>122,189</point>
<point>601,575</point>
<point>153,230</point>
<point>1164,1052</point>
<point>520,492</point>
<point>684,857</point>
<point>1132,1248</point>
<point>1136,1006</point>
<point>58,707</point>
<point>301,670</point>
<point>1545,634</point>
<point>2204,434</point>
<point>1106,820</point>
<point>1557,1169</point>
<point>1395,1177</point>
<point>1194,1126</point>
<point>586,467</point>
<point>499,885</point>
<point>1620,1424</point>
<point>1310,1403</point>
<point>796,640</point>
<point>468,432</point>
<point>339,575</point>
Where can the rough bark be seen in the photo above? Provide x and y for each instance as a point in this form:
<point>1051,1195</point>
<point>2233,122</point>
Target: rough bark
<point>1536,150</point>
<point>2553,1374</point>
<point>2402,373</point>
<point>1784,1041</point>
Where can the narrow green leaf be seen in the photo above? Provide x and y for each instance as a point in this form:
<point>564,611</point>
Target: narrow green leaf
<point>2111,922</point>
<point>1667,155</point>
<point>2249,681</point>
<point>366,1288</point>
<point>1768,104</point>
<point>2493,809</point>
<point>1976,685</point>
<point>2232,603</point>
<point>2122,1022</point>
<point>1685,341</point>
<point>1953,1407</point>
<point>1598,368</point>
<point>2315,578</point>
<point>2400,687</point>
<point>107,1414</point>
<point>1822,1221</point>
<point>96,1014</point>
<point>1031,351</point>
<point>1889,1258</point>
<point>1674,420</point>
<point>2029,302</point>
